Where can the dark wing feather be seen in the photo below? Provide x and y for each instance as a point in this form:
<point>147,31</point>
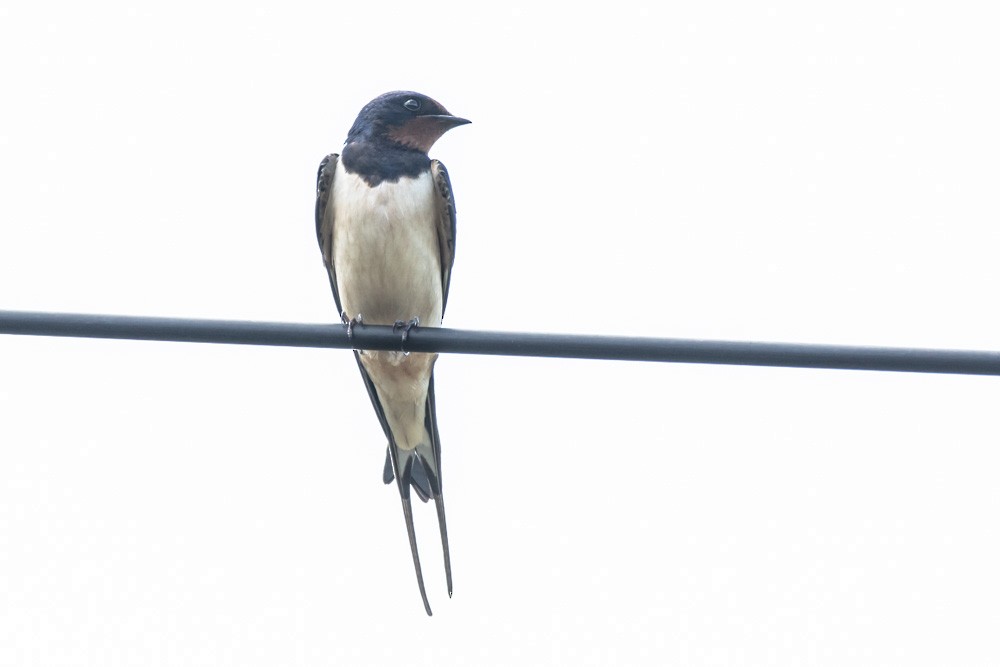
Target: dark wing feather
<point>446,242</point>
<point>324,235</point>
<point>324,218</point>
<point>446,225</point>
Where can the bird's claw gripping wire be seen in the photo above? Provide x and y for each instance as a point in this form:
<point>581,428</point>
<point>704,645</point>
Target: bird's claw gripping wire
<point>351,322</point>
<point>405,327</point>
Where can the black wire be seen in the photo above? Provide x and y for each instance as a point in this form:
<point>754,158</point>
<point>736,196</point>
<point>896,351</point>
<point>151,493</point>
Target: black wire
<point>429,339</point>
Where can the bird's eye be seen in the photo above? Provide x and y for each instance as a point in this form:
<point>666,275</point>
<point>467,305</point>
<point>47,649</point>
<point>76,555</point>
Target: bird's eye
<point>412,104</point>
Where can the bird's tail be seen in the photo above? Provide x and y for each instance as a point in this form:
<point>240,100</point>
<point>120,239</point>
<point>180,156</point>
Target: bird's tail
<point>420,469</point>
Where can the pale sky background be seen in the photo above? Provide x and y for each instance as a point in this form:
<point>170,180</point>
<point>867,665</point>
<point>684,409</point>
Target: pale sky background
<point>716,170</point>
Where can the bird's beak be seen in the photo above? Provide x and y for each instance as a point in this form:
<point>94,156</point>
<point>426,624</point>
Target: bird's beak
<point>447,121</point>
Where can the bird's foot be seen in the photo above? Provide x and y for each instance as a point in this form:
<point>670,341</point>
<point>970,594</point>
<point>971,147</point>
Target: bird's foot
<point>405,327</point>
<point>351,323</point>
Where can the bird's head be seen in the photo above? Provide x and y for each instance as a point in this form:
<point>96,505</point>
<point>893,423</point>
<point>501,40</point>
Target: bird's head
<point>404,118</point>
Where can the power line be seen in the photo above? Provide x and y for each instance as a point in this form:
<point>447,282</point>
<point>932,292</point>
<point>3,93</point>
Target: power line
<point>430,339</point>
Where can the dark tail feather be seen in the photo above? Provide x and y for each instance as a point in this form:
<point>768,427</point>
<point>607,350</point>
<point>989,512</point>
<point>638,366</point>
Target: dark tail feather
<point>411,534</point>
<point>419,469</point>
<point>443,527</point>
<point>432,428</point>
<point>405,462</point>
<point>418,476</point>
<point>387,475</point>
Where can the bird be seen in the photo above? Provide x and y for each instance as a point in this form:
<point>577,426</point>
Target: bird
<point>385,223</point>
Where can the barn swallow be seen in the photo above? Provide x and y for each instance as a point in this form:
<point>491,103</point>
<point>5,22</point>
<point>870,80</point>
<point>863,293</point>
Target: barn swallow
<point>385,222</point>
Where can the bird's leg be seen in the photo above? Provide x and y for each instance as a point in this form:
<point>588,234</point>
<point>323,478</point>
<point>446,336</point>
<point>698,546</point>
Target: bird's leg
<point>351,322</point>
<point>405,327</point>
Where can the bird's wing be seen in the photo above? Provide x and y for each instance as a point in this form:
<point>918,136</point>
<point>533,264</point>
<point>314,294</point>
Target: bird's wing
<point>446,225</point>
<point>324,235</point>
<point>324,218</point>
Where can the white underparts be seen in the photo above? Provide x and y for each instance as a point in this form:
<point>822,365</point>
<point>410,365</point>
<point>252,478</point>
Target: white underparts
<point>388,266</point>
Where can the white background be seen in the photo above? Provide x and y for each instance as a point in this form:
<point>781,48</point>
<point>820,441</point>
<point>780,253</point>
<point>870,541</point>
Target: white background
<point>773,172</point>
